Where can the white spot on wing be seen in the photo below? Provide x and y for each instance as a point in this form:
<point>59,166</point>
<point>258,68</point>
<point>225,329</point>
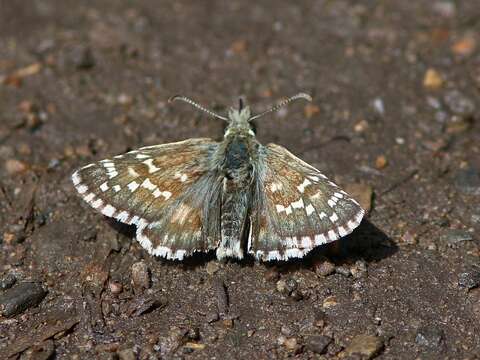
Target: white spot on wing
<point>309,209</point>
<point>82,189</point>
<point>142,156</point>
<point>97,203</point>
<point>117,188</point>
<point>133,186</point>
<point>108,210</point>
<point>334,217</point>
<point>76,178</point>
<point>104,187</point>
<point>303,185</point>
<point>298,204</point>
<point>147,184</point>
<point>132,172</point>
<point>151,167</point>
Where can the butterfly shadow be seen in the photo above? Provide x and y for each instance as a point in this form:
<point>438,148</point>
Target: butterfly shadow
<point>367,242</point>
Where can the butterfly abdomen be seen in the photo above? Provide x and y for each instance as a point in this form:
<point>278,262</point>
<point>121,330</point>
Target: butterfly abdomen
<point>238,172</point>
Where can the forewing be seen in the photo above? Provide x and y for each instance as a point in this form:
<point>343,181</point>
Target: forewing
<point>162,190</point>
<point>296,207</point>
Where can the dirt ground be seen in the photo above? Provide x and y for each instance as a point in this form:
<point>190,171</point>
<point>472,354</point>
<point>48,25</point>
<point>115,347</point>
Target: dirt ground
<point>395,113</point>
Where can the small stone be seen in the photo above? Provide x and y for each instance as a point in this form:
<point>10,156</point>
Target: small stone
<point>212,316</point>
<point>124,99</point>
<point>227,323</point>
<point>238,46</point>
<point>7,281</point>
<point>464,46</point>
<point>324,267</point>
<point>363,193</point>
<point>126,354</point>
<point>13,166</point>
<point>286,287</point>
<point>82,57</point>
<point>381,162</point>
<point>361,126</point>
<point>468,181</point>
<point>287,331</point>
<point>291,344</point>
<point>343,270</point>
<point>310,110</point>
<point>459,104</point>
<point>469,279</point>
<point>329,302</point>
<point>447,9</point>
<point>140,276</point>
<point>318,343</point>
<point>21,297</point>
<point>359,269</point>
<point>212,267</point>
<point>364,345</point>
<point>429,336</point>
<point>115,287</point>
<point>378,106</point>
<point>432,80</point>
<point>410,237</point>
<point>454,236</point>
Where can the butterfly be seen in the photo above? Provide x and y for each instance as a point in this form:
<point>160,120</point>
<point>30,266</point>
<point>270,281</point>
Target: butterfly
<point>235,196</point>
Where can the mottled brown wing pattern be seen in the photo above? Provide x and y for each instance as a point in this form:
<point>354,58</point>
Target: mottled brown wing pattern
<point>298,208</point>
<point>162,190</point>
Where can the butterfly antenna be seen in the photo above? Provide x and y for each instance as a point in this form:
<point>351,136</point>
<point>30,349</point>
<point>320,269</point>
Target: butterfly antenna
<point>281,104</point>
<point>197,105</point>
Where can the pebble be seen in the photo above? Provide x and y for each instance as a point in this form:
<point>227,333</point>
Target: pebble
<point>7,281</point>
<point>429,336</point>
<point>318,343</point>
<point>378,106</point>
<point>469,279</point>
<point>286,286</point>
<point>212,267</point>
<point>454,236</point>
<point>432,79</point>
<point>141,276</point>
<point>126,354</point>
<point>359,269</point>
<point>363,193</point>
<point>21,297</point>
<point>459,104</point>
<point>381,162</point>
<point>464,46</point>
<point>343,270</point>
<point>291,344</point>
<point>324,267</point>
<point>364,345</point>
<point>329,302</point>
<point>361,126</point>
<point>115,287</point>
<point>311,110</point>
<point>468,181</point>
<point>13,166</point>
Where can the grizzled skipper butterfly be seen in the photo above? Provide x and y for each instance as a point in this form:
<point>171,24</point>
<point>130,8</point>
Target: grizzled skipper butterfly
<point>236,196</point>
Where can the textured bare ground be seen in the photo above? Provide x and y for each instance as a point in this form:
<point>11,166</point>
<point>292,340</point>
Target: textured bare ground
<point>395,88</point>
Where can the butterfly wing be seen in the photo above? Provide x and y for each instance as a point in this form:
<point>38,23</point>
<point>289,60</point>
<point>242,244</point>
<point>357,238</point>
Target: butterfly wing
<point>297,207</point>
<point>164,190</point>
